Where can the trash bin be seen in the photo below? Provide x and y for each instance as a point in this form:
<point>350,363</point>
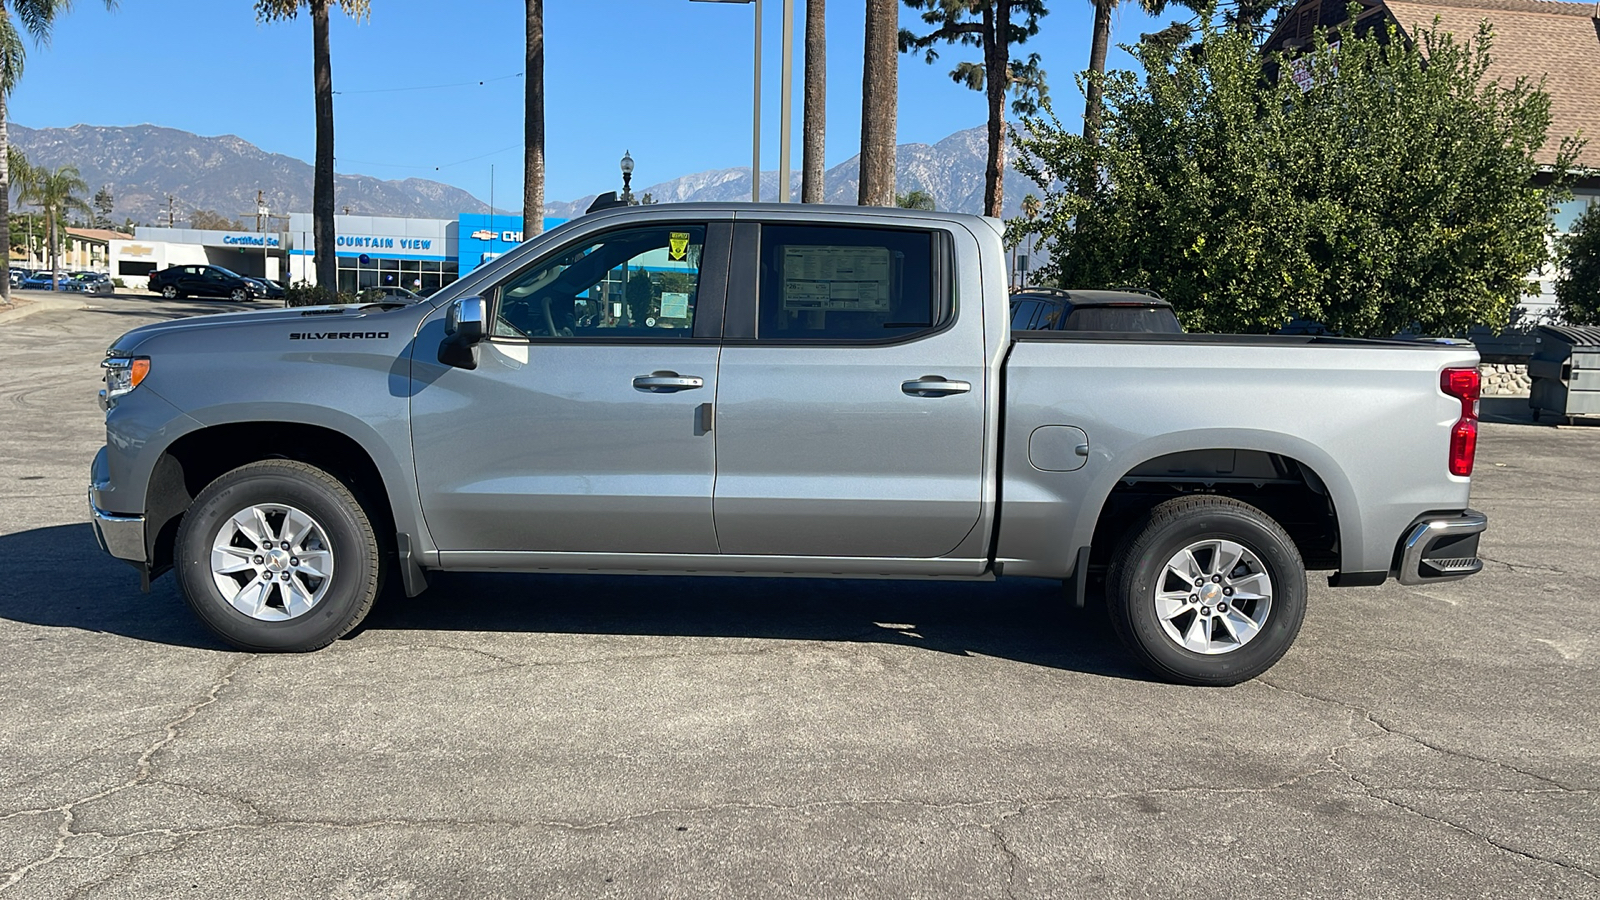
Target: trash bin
<point>1565,369</point>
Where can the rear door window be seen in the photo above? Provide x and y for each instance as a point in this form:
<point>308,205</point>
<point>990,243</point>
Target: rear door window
<point>835,284</point>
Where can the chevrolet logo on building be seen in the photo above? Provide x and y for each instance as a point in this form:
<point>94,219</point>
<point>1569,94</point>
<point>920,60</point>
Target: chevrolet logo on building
<point>483,234</point>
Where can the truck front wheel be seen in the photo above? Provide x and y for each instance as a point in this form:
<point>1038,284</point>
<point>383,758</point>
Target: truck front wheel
<point>278,556</point>
<point>1207,590</point>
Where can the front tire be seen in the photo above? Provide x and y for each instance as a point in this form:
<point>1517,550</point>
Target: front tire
<point>1207,590</point>
<point>238,295</point>
<point>278,556</point>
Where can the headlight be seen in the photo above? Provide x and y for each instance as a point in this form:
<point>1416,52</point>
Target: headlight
<point>123,374</point>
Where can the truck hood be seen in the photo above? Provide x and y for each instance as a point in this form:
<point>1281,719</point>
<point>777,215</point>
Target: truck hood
<point>320,318</point>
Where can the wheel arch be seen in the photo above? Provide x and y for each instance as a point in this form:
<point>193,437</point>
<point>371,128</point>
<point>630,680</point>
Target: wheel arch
<point>198,457</point>
<point>1244,464</point>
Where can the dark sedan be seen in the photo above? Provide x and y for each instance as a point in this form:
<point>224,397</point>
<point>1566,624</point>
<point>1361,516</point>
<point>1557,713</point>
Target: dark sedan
<point>1043,309</point>
<point>177,282</point>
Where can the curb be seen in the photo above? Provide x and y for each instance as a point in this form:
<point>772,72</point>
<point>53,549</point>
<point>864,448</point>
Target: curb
<point>43,304</point>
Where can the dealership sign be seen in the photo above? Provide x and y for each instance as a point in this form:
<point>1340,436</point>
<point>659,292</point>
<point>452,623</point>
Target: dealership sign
<point>250,240</point>
<point>364,242</point>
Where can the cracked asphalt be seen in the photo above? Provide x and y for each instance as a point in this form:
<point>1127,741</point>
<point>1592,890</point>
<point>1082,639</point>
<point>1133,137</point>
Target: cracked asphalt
<point>551,736</point>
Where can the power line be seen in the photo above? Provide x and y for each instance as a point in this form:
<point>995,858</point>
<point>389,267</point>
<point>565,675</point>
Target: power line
<point>434,87</point>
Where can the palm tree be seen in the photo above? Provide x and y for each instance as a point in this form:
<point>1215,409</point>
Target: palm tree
<point>322,232</point>
<point>880,86</point>
<point>56,193</point>
<point>533,125</point>
<point>36,16</point>
<point>814,122</point>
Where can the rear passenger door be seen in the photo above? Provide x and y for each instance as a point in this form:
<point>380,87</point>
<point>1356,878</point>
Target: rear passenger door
<point>850,404</point>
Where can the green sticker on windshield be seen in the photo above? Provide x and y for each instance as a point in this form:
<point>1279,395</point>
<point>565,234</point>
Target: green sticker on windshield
<point>677,245</point>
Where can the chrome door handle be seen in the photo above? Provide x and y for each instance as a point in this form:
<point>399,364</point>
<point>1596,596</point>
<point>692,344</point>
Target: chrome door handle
<point>667,382</point>
<point>934,386</point>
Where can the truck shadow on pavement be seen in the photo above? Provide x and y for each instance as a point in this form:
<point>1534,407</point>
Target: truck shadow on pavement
<point>59,578</point>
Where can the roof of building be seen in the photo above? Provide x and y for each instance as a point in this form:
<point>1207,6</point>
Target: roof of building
<point>102,235</point>
<point>1559,42</point>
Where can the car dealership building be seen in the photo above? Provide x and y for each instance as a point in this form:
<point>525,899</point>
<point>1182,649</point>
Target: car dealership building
<point>372,251</point>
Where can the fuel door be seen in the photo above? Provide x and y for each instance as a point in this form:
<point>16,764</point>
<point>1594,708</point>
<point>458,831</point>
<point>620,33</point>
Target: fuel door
<point>1058,448</point>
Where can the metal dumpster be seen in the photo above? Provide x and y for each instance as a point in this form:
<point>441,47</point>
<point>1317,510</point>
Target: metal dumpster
<point>1565,369</point>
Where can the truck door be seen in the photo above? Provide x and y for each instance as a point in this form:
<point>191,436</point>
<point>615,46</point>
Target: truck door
<point>584,426</point>
<point>850,410</point>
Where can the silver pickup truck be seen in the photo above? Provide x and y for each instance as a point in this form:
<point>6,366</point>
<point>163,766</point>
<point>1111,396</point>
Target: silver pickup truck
<point>778,391</point>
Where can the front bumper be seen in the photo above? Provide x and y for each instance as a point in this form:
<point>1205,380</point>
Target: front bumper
<point>1440,548</point>
<point>119,535</point>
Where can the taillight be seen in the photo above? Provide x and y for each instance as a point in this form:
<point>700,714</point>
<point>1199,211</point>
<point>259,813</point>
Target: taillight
<point>1463,384</point>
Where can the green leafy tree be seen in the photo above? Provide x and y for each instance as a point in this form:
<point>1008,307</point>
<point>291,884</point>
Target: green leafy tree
<point>36,17</point>
<point>56,192</point>
<point>104,203</point>
<point>993,26</point>
<point>1578,285</point>
<point>322,205</point>
<point>1396,191</point>
<point>914,200</point>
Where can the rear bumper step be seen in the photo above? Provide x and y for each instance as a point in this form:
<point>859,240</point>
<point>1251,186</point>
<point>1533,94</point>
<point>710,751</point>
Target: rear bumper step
<point>1442,548</point>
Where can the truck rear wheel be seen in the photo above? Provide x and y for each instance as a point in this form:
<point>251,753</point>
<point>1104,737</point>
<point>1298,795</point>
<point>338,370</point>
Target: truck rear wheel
<point>1207,590</point>
<point>278,556</point>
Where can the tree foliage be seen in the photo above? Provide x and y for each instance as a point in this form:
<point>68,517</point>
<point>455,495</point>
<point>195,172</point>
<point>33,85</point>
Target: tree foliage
<point>1395,191</point>
<point>915,199</point>
<point>1578,285</point>
<point>994,27</point>
<point>211,220</point>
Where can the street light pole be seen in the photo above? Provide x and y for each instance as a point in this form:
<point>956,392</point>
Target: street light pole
<point>755,116</point>
<point>784,104</point>
<point>755,135</point>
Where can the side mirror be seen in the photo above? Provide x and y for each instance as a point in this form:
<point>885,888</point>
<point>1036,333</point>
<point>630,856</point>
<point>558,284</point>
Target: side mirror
<point>463,329</point>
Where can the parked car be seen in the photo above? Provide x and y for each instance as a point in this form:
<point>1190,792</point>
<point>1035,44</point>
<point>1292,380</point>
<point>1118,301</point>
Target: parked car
<point>45,281</point>
<point>177,282</point>
<point>1046,309</point>
<point>265,289</point>
<point>94,282</point>
<point>822,390</point>
<point>18,274</point>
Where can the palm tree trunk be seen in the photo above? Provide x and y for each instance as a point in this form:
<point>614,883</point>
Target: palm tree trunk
<point>533,126</point>
<point>1097,68</point>
<point>5,202</point>
<point>816,113</point>
<point>996,79</point>
<point>322,230</point>
<point>880,85</point>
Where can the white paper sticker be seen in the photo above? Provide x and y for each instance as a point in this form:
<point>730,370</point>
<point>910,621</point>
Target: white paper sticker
<point>843,278</point>
<point>674,306</point>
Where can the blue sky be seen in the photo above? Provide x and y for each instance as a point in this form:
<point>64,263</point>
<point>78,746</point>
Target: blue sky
<point>668,80</point>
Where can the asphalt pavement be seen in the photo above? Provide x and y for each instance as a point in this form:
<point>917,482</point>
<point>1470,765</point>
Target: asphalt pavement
<point>558,736</point>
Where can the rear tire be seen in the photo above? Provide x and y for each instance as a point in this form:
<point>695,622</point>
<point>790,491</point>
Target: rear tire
<point>169,292</point>
<point>1241,616</point>
<point>278,556</point>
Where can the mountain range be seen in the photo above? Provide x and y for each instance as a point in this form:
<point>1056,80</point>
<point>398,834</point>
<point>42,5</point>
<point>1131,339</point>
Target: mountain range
<point>146,164</point>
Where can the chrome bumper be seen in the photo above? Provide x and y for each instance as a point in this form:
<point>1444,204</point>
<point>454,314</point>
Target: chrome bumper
<point>120,536</point>
<point>1444,548</point>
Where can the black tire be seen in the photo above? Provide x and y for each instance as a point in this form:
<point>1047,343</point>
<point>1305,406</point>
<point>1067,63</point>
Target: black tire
<point>239,295</point>
<point>169,292</point>
<point>355,580</point>
<point>1138,567</point>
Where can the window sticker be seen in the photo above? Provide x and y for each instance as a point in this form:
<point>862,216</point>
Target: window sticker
<point>677,245</point>
<point>674,306</point>
<point>839,278</point>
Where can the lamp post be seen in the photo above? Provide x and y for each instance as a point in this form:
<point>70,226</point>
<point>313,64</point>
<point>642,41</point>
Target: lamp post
<point>627,177</point>
<point>788,82</point>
